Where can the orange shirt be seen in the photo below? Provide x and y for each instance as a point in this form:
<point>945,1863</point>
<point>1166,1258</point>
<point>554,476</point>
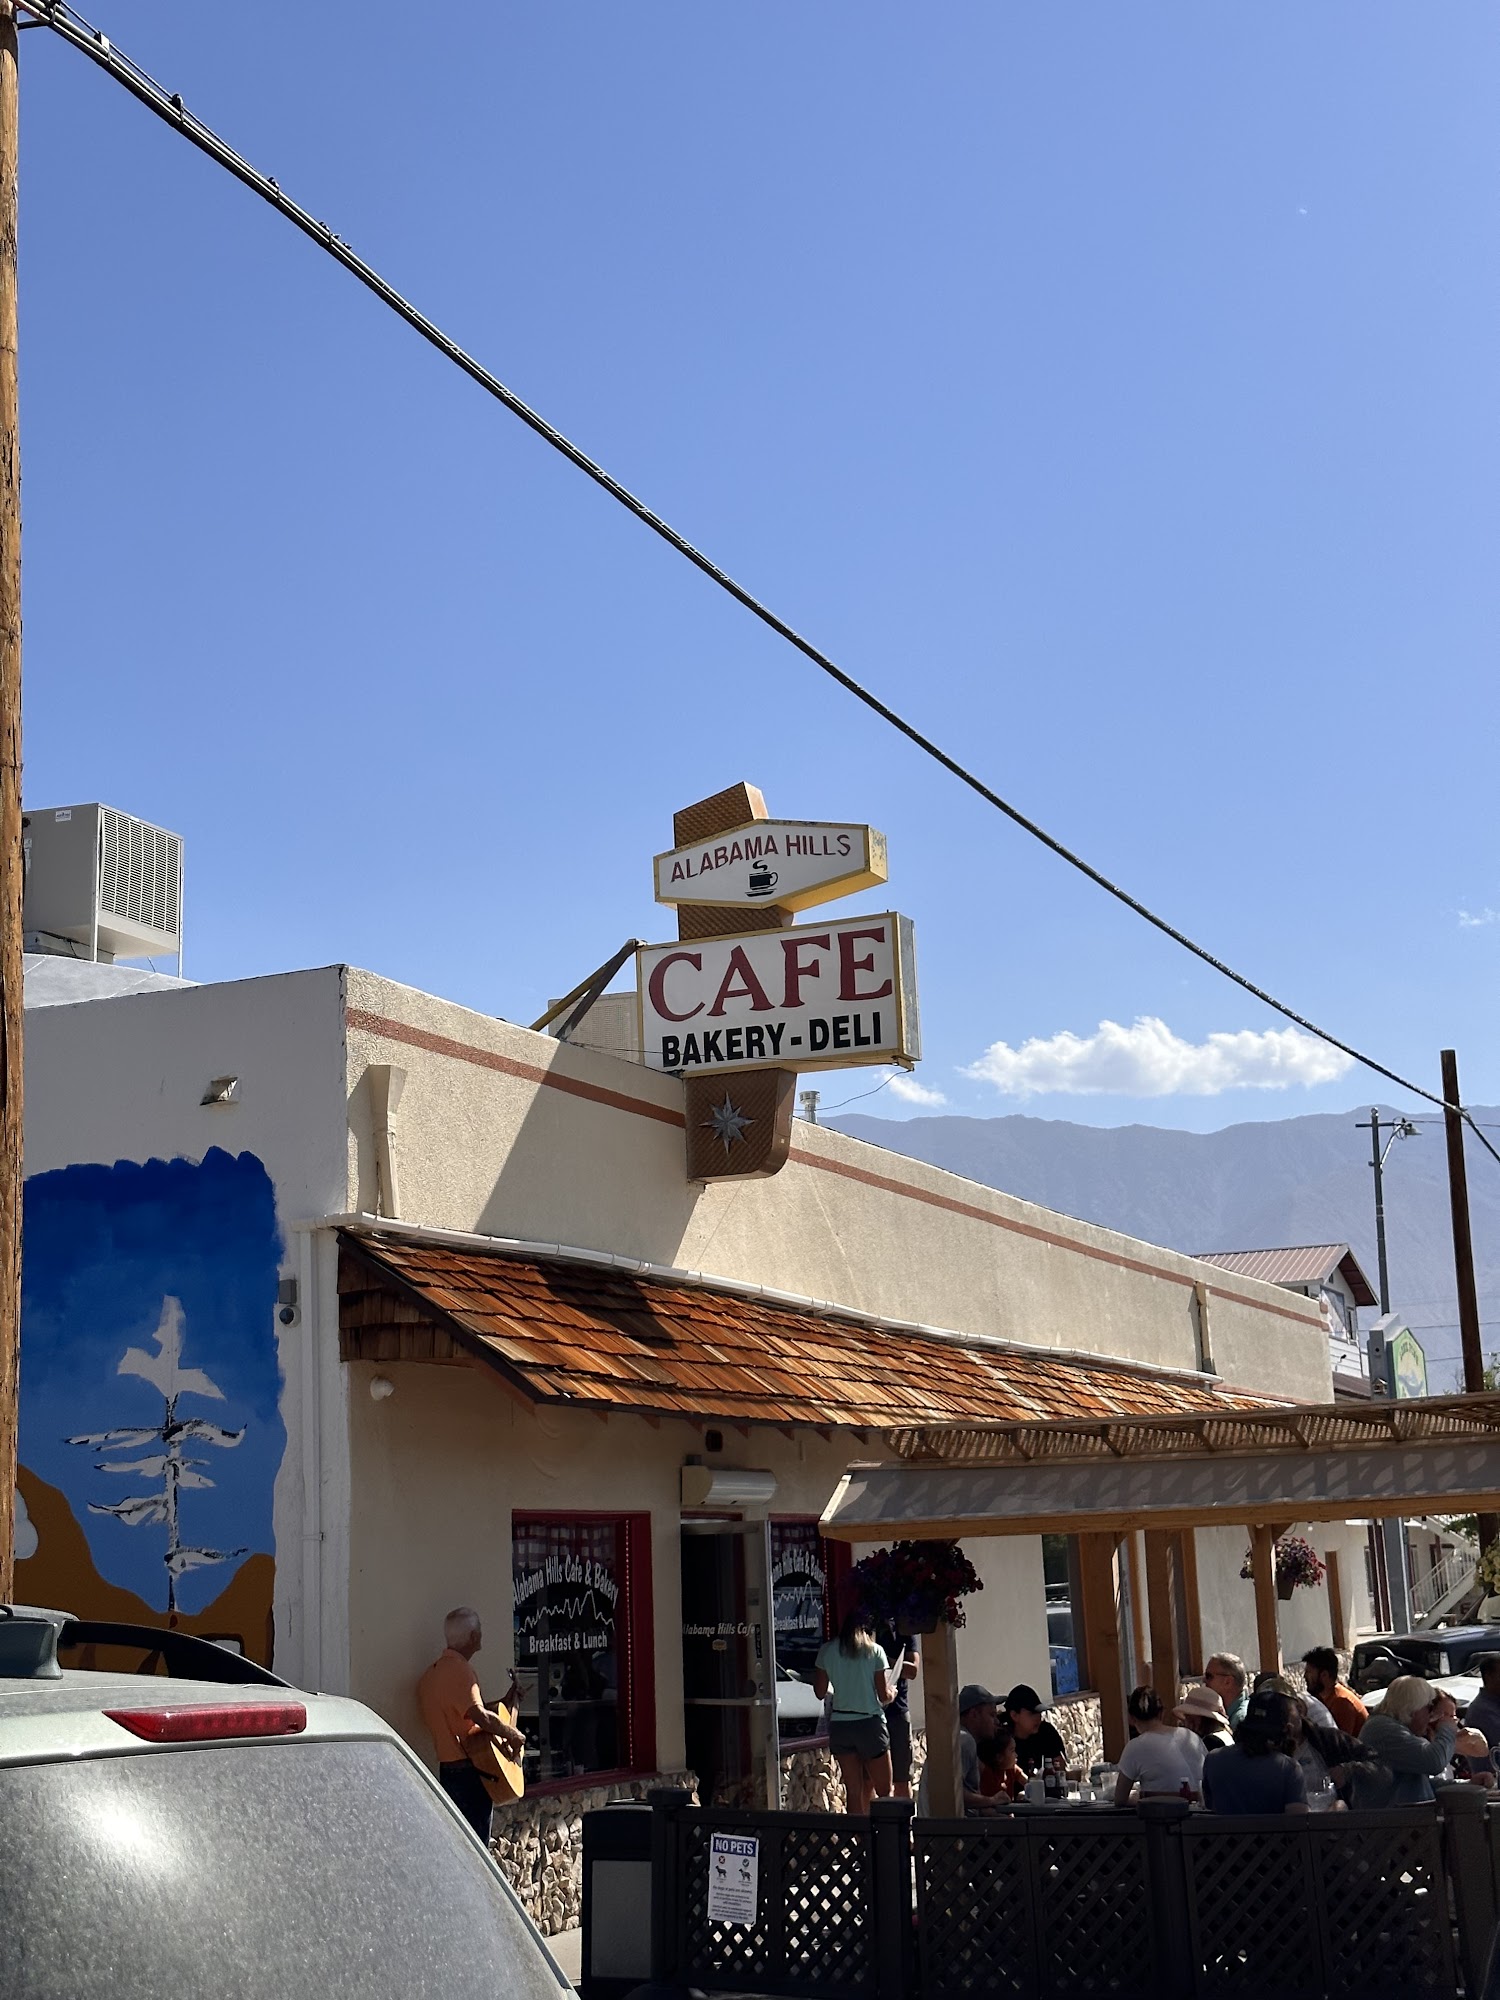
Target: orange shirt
<point>1347,1710</point>
<point>446,1693</point>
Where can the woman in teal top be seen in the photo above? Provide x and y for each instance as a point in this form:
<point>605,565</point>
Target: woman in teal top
<point>855,1671</point>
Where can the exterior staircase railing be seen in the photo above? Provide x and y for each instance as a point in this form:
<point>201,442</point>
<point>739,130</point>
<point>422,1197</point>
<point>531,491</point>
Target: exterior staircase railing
<point>1442,1587</point>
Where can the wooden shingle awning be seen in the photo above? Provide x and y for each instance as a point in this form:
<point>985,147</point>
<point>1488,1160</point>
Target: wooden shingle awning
<point>598,1335</point>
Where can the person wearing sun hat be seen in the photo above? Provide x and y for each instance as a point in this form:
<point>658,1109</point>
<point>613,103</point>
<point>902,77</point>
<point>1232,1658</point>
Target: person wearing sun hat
<point>1202,1711</point>
<point>1037,1742</point>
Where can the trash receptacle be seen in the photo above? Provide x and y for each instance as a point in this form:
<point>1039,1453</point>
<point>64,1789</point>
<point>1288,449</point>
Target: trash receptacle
<point>616,1901</point>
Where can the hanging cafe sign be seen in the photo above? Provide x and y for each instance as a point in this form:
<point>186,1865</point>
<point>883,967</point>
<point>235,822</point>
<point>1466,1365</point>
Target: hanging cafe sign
<point>820,996</point>
<point>745,998</point>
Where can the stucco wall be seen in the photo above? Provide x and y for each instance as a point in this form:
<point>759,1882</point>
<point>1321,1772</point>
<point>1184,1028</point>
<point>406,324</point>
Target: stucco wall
<point>1305,1619</point>
<point>1004,1638</point>
<point>593,1156</point>
<point>441,1465</point>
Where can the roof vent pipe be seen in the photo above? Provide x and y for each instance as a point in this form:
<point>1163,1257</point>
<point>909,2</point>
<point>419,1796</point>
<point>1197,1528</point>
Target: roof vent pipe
<point>386,1083</point>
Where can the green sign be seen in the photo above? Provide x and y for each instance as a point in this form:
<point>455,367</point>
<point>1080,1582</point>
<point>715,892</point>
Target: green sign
<point>1408,1364</point>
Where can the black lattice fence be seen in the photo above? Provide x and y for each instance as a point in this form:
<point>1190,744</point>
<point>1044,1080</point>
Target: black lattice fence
<point>1152,1904</point>
<point>815,1925</point>
<point>1347,1904</point>
<point>1037,1903</point>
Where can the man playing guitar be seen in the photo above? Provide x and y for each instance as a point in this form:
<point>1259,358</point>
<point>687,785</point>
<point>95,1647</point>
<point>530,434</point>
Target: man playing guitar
<point>463,1729</point>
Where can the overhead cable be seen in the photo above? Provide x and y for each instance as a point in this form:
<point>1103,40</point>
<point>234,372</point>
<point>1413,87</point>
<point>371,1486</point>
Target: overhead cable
<point>169,107</point>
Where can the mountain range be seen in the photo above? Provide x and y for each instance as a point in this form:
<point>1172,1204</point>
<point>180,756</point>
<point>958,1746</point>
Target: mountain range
<point>1248,1187</point>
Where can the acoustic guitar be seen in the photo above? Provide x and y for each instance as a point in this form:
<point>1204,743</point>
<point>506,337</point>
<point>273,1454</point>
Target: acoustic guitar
<point>499,1772</point>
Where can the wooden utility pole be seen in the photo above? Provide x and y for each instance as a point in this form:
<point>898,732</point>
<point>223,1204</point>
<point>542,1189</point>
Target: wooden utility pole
<point>1463,1241</point>
<point>1463,1254</point>
<point>10,804</point>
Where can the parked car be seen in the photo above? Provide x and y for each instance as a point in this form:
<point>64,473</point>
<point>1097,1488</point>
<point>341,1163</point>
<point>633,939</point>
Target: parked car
<point>798,1710</point>
<point>228,1834</point>
<point>1062,1646</point>
<point>1443,1657</point>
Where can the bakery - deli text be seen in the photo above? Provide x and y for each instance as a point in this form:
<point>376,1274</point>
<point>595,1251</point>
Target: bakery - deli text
<point>817,996</point>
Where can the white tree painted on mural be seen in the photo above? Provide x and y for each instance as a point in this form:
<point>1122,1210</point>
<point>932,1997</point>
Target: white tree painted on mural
<point>171,1465</point>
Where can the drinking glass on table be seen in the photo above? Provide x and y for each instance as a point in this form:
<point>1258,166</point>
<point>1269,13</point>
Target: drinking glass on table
<point>1321,1795</point>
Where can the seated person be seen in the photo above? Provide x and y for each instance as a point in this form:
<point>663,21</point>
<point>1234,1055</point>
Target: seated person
<point>1413,1737</point>
<point>1483,1712</point>
<point>1320,1668</point>
<point>1258,1773</point>
<point>1202,1711</point>
<point>978,1720</point>
<point>1163,1761</point>
<point>1317,1712</point>
<point>1000,1774</point>
<point>1037,1742</point>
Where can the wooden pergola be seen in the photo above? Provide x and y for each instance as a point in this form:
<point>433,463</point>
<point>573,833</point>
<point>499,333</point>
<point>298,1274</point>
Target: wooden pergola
<point>1104,1480</point>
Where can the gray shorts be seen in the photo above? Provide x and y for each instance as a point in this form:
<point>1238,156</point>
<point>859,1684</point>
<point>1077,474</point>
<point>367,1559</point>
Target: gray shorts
<point>862,1736</point>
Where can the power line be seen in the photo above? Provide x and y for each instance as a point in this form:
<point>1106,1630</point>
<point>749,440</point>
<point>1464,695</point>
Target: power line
<point>169,107</point>
<point>844,1102</point>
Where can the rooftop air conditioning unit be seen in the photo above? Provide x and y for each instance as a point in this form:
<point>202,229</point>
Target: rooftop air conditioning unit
<point>101,885</point>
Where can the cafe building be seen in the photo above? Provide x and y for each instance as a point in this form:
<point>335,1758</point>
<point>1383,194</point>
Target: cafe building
<point>345,1304</point>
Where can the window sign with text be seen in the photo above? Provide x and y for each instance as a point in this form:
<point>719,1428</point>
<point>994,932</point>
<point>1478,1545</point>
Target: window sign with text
<point>567,1579</point>
<point>799,1597</point>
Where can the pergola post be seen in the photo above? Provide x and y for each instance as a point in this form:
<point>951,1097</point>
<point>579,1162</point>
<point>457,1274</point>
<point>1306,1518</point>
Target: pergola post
<point>1102,1637</point>
<point>1267,1632</point>
<point>1192,1638</point>
<point>1163,1674</point>
<point>945,1797</point>
<point>1135,1569</point>
<point>1336,1601</point>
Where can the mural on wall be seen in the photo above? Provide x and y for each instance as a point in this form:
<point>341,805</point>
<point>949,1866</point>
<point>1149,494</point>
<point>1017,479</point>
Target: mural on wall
<point>148,1300</point>
<point>171,1465</point>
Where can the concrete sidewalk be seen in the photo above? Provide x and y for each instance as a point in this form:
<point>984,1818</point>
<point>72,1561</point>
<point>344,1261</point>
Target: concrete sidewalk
<point>567,1949</point>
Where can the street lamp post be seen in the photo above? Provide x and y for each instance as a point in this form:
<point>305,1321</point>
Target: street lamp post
<point>1398,1128</point>
<point>1392,1530</point>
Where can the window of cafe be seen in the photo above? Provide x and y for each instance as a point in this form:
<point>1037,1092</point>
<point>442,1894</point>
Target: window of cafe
<point>805,1571</point>
<point>1065,1640</point>
<point>583,1644</point>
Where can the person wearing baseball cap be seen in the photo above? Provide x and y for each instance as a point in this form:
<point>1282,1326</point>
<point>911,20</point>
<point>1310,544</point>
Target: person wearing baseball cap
<point>1037,1742</point>
<point>978,1720</point>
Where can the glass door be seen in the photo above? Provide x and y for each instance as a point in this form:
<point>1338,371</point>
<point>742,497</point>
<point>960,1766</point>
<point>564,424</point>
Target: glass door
<point>729,1662</point>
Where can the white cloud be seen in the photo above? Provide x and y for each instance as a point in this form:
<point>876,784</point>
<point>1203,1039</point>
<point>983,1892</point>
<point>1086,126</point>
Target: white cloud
<point>1148,1060</point>
<point>912,1092</point>
<point>1472,920</point>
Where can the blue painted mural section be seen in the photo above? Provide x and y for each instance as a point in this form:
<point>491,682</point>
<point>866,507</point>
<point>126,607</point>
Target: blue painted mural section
<point>150,1389</point>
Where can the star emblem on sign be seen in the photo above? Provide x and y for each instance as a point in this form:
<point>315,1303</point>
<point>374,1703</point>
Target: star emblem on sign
<point>727,1122</point>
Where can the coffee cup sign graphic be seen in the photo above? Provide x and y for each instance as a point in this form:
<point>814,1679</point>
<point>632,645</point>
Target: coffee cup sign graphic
<point>794,863</point>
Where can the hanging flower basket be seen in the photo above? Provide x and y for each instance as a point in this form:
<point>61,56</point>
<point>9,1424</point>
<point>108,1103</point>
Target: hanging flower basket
<point>914,1586</point>
<point>1298,1566</point>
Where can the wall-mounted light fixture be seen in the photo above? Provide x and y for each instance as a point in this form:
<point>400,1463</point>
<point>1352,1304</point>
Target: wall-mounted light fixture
<point>222,1090</point>
<point>381,1387</point>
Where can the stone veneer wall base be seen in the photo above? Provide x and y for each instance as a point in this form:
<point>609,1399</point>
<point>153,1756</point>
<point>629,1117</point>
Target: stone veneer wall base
<point>538,1841</point>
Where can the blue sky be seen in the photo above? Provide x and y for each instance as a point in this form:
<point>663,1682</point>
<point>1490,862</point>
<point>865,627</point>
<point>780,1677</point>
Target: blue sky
<point>1112,388</point>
